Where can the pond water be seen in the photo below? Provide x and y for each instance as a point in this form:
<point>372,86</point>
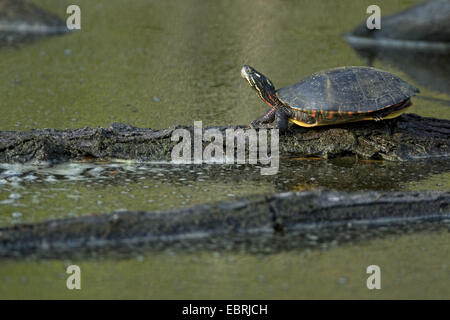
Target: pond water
<point>160,63</point>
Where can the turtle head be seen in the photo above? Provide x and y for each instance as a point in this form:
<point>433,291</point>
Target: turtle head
<point>261,84</point>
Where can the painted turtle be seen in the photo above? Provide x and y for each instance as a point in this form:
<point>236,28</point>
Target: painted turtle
<point>334,96</point>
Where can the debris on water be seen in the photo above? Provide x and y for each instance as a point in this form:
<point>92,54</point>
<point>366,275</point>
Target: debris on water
<point>333,198</point>
<point>16,215</point>
<point>9,173</point>
<point>15,181</point>
<point>30,177</point>
<point>96,171</point>
<point>15,196</point>
<point>312,237</point>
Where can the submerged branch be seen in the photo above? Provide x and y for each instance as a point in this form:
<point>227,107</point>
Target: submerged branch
<point>261,219</point>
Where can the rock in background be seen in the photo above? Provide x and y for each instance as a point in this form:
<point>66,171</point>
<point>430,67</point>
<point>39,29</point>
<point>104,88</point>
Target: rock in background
<point>23,21</point>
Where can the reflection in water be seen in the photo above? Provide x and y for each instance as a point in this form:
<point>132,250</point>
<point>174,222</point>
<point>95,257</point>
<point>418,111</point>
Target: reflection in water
<point>30,193</point>
<point>21,21</point>
<point>414,266</point>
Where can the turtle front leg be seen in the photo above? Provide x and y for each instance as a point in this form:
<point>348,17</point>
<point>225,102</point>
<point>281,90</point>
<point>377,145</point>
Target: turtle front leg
<point>268,117</point>
<point>282,116</point>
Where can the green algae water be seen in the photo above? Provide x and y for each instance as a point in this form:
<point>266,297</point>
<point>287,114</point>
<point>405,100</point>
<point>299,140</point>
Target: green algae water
<point>416,267</point>
<point>161,63</point>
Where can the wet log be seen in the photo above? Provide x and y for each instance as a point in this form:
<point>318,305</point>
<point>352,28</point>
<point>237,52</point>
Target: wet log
<point>263,220</point>
<point>408,137</point>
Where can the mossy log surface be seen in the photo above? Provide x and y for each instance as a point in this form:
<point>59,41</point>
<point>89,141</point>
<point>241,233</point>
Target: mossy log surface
<point>407,137</point>
<point>228,222</point>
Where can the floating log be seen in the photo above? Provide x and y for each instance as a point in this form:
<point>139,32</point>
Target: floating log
<point>263,219</point>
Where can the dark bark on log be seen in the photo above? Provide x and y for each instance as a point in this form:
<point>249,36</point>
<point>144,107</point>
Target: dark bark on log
<point>407,137</point>
<point>261,219</point>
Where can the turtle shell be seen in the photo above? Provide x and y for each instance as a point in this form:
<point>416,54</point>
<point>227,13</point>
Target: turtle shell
<point>347,89</point>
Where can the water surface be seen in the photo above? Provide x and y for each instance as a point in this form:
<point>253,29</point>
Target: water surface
<point>160,63</point>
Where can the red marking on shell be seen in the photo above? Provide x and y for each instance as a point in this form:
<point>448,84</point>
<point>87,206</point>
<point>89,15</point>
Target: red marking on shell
<point>330,115</point>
